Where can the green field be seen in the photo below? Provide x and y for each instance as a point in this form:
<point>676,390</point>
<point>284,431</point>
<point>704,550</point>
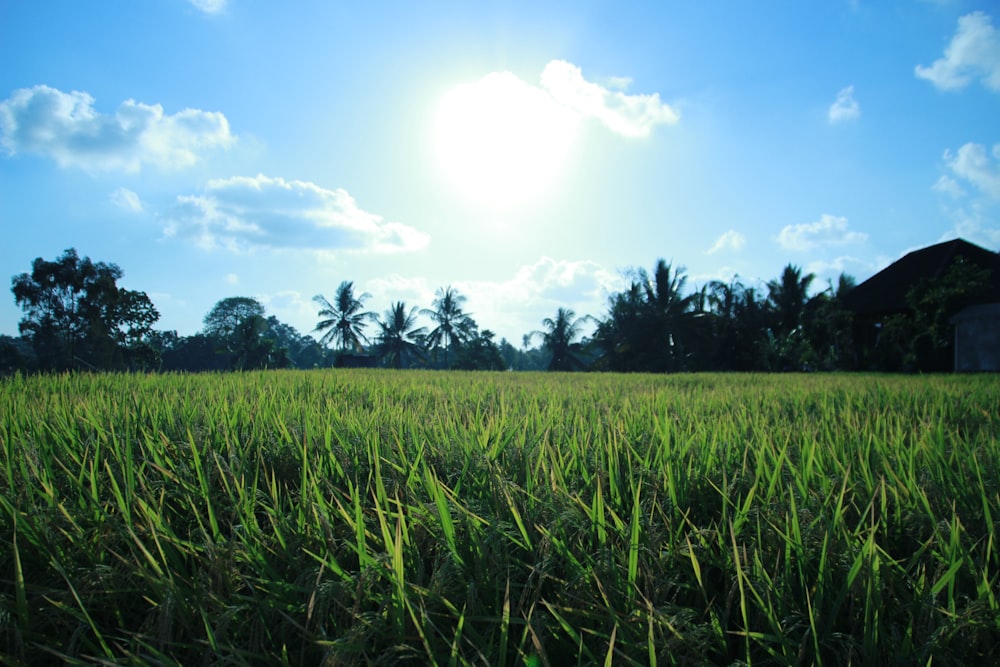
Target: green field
<point>357,517</point>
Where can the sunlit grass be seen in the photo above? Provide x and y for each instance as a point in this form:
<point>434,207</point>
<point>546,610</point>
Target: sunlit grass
<point>502,519</point>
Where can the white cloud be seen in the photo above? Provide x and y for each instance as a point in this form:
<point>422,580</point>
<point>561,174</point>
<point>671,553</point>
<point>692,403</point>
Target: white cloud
<point>973,188</point>
<point>513,306</point>
<point>973,53</point>
<point>845,107</point>
<point>243,213</point>
<point>619,82</point>
<point>973,164</point>
<point>66,128</point>
<point>628,115</point>
<point>394,287</point>
<point>948,186</point>
<point>292,307</point>
<point>975,220</point>
<point>126,200</point>
<point>731,240</point>
<point>232,279</point>
<point>852,266</point>
<point>516,306</point>
<point>210,6</point>
<point>829,230</point>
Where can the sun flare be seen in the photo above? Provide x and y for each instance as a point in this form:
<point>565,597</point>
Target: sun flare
<point>502,142</point>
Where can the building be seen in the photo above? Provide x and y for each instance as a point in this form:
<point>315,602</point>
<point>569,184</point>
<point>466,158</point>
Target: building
<point>977,338</point>
<point>875,301</point>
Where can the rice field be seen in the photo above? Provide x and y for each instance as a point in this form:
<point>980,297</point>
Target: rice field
<point>377,517</point>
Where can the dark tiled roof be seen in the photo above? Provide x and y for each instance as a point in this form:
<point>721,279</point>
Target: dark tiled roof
<point>885,292</point>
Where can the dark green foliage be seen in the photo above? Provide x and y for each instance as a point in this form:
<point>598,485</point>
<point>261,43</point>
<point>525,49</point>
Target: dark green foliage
<point>921,337</point>
<point>76,316</point>
<point>478,352</point>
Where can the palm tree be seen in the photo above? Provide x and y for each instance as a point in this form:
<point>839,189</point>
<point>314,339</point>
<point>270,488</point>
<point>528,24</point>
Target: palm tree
<point>739,318</point>
<point>790,309</point>
<point>621,336</point>
<point>669,313</point>
<point>447,313</point>
<point>560,337</point>
<point>344,320</point>
<point>649,323</point>
<point>399,342</point>
<point>788,297</point>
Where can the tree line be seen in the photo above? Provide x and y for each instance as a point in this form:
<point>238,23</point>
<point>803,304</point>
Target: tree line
<point>77,317</point>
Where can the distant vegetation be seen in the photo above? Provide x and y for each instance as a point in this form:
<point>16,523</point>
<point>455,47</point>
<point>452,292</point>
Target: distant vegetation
<point>383,517</point>
<point>76,317</point>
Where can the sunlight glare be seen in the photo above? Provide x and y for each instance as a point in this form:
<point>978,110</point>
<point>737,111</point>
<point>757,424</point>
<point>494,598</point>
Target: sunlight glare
<point>501,141</point>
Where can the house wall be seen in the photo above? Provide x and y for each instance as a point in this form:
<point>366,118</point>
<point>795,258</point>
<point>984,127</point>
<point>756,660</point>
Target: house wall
<point>977,340</point>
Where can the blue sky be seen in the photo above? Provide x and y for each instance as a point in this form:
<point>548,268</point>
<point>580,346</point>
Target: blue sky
<point>528,154</point>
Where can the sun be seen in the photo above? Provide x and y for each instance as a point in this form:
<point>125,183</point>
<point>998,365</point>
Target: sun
<point>502,142</point>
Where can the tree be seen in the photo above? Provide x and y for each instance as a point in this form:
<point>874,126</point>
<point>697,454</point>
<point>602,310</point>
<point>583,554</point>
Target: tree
<point>229,314</point>
<point>478,352</point>
<point>232,325</point>
<point>933,303</point>
<point>620,335</point>
<point>447,313</point>
<point>302,351</point>
<point>400,341</point>
<point>648,324</point>
<point>559,338</point>
<point>16,355</point>
<point>196,353</point>
<point>829,327</point>
<point>243,336</point>
<point>789,297</point>
<point>343,320</point>
<point>789,301</point>
<point>76,315</point>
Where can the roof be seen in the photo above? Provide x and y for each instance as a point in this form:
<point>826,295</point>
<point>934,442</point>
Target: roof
<point>885,292</point>
<point>985,311</point>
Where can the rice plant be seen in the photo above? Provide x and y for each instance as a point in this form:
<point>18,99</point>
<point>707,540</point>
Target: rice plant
<point>379,517</point>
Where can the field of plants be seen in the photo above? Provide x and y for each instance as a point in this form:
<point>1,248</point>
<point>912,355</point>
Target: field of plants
<point>383,517</point>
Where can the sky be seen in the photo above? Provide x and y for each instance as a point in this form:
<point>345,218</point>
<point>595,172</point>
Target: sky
<point>530,155</point>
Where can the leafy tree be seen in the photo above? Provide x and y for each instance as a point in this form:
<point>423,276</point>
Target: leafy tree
<point>478,352</point>
<point>249,347</point>
<point>524,358</point>
<point>400,341</point>
<point>230,325</point>
<point>343,321</point>
<point>230,314</point>
<point>75,314</point>
<point>16,355</point>
<point>242,335</point>
<point>196,353</point>
<point>933,303</point>
<point>560,339</point>
<point>302,351</point>
<point>447,313</point>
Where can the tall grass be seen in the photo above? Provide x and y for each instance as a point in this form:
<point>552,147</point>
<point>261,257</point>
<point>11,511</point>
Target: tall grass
<point>381,517</point>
